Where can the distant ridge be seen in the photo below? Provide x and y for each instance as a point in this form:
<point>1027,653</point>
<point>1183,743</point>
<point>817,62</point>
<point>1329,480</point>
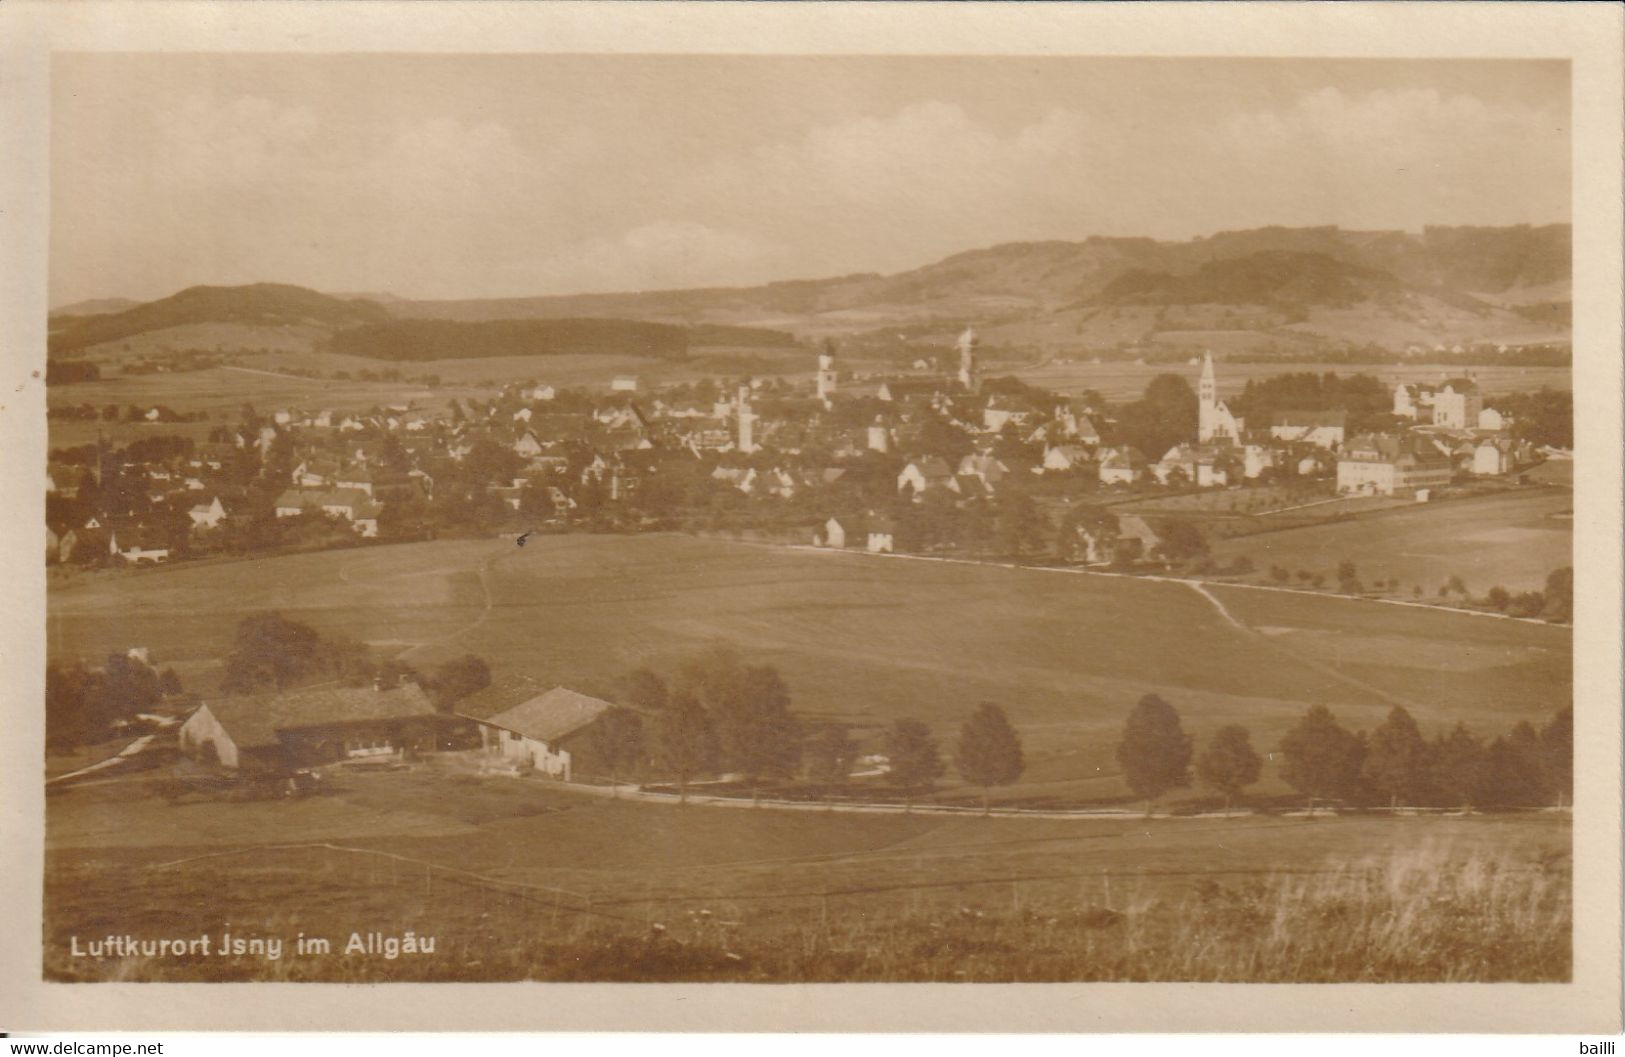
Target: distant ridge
<point>1316,284</point>
<point>259,304</point>
<point>1048,275</point>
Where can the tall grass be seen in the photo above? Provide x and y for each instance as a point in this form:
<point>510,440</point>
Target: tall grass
<point>1429,914</point>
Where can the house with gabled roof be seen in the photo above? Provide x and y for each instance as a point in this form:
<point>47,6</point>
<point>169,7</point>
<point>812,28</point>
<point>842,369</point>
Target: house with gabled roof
<point>208,515</point>
<point>926,474</point>
<point>313,725</point>
<point>1121,465</point>
<point>541,732</point>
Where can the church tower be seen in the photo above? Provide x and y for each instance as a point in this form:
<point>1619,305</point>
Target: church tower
<point>1207,397</point>
<point>826,372</point>
<point>968,376</point>
<point>1214,420</point>
<point>746,420</point>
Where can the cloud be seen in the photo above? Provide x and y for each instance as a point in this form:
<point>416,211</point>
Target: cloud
<point>211,141</point>
<point>659,255</point>
<point>481,197</point>
<point>1396,158</point>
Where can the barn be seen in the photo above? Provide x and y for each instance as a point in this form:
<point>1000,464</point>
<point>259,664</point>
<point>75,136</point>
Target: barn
<point>544,732</point>
<point>317,725</point>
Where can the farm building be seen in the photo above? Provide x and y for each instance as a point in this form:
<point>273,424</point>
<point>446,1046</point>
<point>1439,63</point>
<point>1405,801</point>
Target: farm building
<point>543,732</point>
<point>319,725</point>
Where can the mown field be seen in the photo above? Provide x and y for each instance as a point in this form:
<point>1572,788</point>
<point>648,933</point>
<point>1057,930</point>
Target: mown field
<point>515,879</point>
<point>856,637</point>
<point>1513,540</point>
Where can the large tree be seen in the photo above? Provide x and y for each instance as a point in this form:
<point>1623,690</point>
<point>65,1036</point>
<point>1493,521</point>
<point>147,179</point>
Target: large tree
<point>1155,752</point>
<point>1559,596</point>
<point>1398,761</point>
<point>1181,540</point>
<point>1458,766</point>
<point>1557,756</point>
<point>646,690</point>
<point>269,651</point>
<point>687,742</point>
<point>1513,775</point>
<point>457,678</point>
<point>1320,758</point>
<point>1019,525</point>
<point>615,742</point>
<point>912,757</point>
<point>1229,764</point>
<point>989,751</point>
<point>830,753</point>
<point>759,737</point>
<point>713,676</point>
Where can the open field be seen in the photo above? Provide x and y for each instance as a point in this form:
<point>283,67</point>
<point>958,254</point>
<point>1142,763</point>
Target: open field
<point>515,878</point>
<point>1512,539</point>
<point>861,638</point>
<point>1120,381</point>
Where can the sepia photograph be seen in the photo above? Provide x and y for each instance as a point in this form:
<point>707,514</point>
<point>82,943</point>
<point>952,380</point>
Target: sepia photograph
<point>806,518</point>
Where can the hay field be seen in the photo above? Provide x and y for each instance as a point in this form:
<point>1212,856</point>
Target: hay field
<point>1512,539</point>
<point>861,638</point>
<point>517,879</point>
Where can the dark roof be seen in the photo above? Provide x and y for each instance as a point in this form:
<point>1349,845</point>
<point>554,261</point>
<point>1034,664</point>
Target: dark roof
<point>254,719</point>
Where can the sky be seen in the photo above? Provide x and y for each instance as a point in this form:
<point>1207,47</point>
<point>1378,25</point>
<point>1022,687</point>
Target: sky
<point>439,176</point>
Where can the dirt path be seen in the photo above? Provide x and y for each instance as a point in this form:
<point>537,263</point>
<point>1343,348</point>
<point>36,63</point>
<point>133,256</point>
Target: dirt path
<point>1320,666</point>
<point>1153,578</point>
<point>112,761</point>
<point>483,571</point>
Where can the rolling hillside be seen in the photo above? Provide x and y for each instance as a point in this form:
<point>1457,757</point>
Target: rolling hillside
<point>1445,284</point>
<point>1297,288</point>
<point>272,306</point>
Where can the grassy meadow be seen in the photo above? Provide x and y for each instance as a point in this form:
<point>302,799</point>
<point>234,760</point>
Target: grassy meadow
<point>1512,539</point>
<point>517,879</point>
<point>858,638</point>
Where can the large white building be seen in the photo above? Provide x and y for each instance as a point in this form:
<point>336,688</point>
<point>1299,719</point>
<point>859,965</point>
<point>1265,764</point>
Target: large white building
<point>1385,464</point>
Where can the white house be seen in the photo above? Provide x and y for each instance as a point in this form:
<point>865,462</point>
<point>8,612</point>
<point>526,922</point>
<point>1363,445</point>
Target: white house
<point>1062,457</point>
<point>923,475</point>
<point>537,733</point>
<point>1457,404</point>
<point>881,535</point>
<point>1492,458</point>
<point>208,515</point>
<point>1121,466</point>
<point>832,534</point>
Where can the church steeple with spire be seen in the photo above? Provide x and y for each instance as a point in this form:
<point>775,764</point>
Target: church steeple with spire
<point>1214,422</point>
<point>968,373</point>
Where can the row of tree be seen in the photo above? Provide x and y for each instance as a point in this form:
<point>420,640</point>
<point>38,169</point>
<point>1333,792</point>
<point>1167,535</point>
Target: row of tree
<point>1393,764</point>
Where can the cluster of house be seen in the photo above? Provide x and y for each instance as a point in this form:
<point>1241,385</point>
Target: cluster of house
<point>759,440</point>
<point>516,725</point>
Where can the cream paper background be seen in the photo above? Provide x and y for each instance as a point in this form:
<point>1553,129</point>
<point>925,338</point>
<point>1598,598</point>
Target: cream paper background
<point>1589,35</point>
